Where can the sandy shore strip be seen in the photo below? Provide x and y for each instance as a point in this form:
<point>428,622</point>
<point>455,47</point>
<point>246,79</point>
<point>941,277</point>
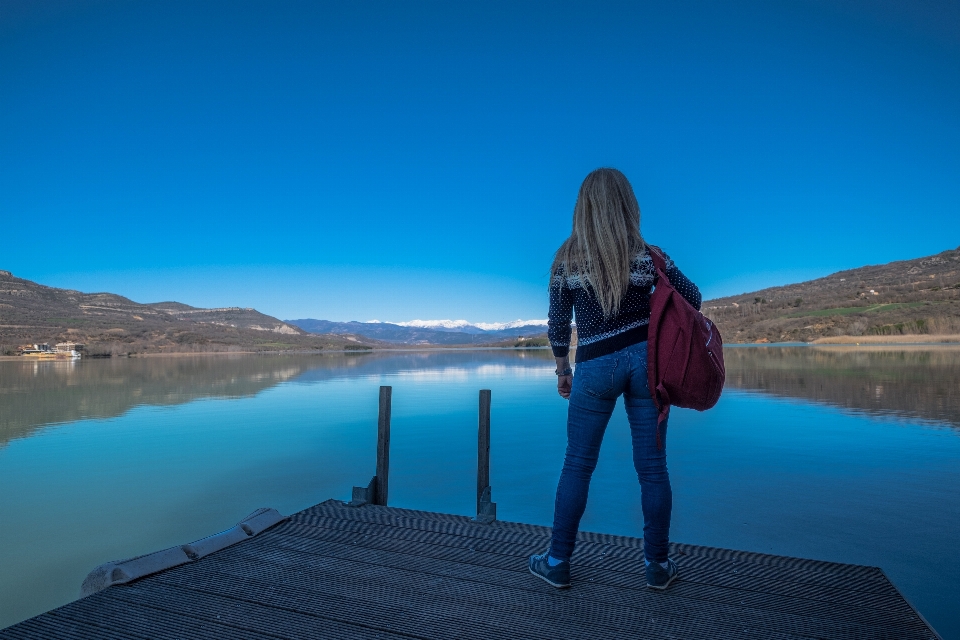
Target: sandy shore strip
<point>918,339</point>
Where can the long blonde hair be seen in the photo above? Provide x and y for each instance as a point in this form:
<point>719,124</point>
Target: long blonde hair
<point>605,238</point>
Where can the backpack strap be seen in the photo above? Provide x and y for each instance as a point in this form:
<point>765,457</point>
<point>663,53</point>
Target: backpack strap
<point>657,256</point>
<point>660,396</point>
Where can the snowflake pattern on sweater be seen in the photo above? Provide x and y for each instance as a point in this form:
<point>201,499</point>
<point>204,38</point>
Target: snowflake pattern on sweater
<point>597,335</point>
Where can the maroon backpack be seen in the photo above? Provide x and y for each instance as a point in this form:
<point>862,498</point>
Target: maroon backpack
<point>684,350</point>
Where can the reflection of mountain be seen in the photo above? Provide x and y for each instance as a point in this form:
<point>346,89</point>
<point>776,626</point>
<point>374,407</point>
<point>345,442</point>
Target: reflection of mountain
<point>398,362</point>
<point>913,382</point>
<point>916,382</point>
<point>39,393</point>
<point>34,394</point>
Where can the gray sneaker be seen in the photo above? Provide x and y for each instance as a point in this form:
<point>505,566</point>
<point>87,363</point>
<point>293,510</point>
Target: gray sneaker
<point>556,576</point>
<point>660,578</point>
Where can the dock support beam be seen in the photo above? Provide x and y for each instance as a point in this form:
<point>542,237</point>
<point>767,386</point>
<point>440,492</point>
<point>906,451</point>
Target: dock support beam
<point>486,508</point>
<point>376,491</point>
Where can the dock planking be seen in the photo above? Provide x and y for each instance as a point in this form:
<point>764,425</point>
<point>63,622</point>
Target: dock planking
<point>335,571</point>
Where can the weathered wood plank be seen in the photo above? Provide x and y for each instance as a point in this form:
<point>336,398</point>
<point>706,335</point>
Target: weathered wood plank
<point>335,594</point>
<point>52,627</point>
<point>511,579</point>
<point>588,554</point>
<point>507,532</point>
<point>592,585</point>
<point>363,587</point>
<point>138,621</point>
<point>243,614</point>
<point>595,569</point>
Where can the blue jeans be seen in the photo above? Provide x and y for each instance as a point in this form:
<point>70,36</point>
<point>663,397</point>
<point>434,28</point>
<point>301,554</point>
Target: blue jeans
<point>596,386</point>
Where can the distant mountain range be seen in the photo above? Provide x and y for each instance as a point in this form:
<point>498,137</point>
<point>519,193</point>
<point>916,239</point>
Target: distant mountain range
<point>889,302</point>
<point>438,332</point>
<point>467,327</point>
<point>904,298</point>
<point>109,324</point>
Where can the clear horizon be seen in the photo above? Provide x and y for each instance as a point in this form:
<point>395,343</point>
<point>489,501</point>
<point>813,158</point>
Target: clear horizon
<point>412,321</point>
<point>346,162</point>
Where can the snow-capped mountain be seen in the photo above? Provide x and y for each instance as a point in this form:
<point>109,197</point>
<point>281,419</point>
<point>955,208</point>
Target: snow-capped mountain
<point>469,327</point>
<point>429,331</point>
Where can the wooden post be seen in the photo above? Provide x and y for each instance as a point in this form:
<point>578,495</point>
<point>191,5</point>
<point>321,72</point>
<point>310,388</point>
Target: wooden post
<point>483,446</point>
<point>376,491</point>
<point>486,509</point>
<point>383,447</point>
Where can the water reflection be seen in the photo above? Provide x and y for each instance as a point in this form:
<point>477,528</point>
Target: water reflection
<point>35,394</point>
<point>914,382</point>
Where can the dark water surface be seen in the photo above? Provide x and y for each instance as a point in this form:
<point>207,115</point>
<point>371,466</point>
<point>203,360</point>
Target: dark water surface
<point>850,455</point>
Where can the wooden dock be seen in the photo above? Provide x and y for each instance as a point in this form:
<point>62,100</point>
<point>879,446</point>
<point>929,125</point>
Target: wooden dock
<point>367,570</point>
<point>334,571</point>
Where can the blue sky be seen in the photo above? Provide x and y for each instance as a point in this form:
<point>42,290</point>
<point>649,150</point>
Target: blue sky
<point>359,160</point>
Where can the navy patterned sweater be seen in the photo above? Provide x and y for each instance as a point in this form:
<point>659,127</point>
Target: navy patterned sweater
<point>597,336</point>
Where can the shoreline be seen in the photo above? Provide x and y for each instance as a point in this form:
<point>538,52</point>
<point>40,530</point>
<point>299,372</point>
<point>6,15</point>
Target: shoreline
<point>903,339</point>
<point>313,352</point>
<point>946,340</point>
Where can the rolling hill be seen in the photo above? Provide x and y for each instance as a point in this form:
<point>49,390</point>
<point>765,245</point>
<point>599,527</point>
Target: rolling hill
<point>109,324</point>
<point>904,298</point>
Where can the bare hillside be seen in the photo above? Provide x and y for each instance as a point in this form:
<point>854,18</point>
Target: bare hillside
<point>111,324</point>
<point>908,297</point>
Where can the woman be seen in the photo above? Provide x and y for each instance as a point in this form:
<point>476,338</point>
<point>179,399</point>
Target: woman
<point>604,272</point>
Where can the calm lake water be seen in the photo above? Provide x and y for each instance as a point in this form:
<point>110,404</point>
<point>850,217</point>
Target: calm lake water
<point>850,455</point>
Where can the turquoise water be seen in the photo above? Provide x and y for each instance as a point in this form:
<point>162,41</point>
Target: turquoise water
<point>851,456</point>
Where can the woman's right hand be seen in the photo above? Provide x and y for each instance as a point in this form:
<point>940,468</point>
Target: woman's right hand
<point>564,384</point>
